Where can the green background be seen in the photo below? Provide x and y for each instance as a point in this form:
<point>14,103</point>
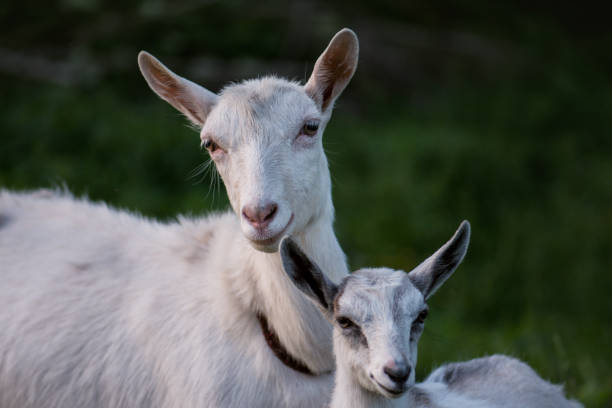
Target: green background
<point>496,113</point>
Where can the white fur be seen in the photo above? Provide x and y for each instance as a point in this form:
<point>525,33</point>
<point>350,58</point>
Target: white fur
<point>383,307</point>
<point>103,308</point>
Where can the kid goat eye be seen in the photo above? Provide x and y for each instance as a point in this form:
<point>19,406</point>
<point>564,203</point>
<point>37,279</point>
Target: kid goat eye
<point>345,322</point>
<point>422,316</point>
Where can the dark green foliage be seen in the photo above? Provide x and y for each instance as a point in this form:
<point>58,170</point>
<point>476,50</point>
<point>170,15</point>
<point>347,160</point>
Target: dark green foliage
<point>490,113</point>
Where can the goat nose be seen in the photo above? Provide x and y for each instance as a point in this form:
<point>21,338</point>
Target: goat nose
<point>259,216</point>
<point>397,372</point>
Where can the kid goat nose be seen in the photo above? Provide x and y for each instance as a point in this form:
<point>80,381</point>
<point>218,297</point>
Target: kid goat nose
<point>260,215</point>
<point>398,372</point>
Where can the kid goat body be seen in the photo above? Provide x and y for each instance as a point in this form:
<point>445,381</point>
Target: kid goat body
<point>378,317</point>
<point>102,308</point>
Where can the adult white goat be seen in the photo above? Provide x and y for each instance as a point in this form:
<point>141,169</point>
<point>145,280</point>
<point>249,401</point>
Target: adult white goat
<point>101,308</point>
<point>378,317</point>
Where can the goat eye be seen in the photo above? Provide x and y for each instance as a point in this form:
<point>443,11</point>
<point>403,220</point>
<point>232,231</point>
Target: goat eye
<point>422,316</point>
<point>345,322</point>
<point>210,145</point>
<point>310,128</point>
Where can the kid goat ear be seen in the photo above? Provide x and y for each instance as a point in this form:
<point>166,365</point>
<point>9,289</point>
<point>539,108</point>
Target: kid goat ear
<point>306,275</point>
<point>436,269</point>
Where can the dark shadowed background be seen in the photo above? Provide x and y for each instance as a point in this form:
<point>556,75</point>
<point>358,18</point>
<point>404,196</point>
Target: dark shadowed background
<point>496,113</point>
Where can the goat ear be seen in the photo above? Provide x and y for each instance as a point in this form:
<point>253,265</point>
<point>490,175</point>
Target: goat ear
<point>334,69</point>
<point>190,99</point>
<point>436,269</point>
<point>307,276</point>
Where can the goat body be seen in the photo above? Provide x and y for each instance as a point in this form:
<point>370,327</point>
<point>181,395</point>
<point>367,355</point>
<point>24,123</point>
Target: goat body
<point>103,308</point>
<point>501,381</point>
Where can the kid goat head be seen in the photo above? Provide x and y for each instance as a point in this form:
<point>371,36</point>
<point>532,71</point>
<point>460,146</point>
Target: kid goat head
<point>264,136</point>
<point>378,314</point>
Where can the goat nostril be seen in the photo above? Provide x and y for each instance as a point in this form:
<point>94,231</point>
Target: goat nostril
<point>270,211</point>
<point>399,373</point>
<point>246,213</point>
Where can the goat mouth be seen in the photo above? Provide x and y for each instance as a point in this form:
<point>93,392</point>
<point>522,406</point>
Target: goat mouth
<point>272,240</point>
<point>393,392</point>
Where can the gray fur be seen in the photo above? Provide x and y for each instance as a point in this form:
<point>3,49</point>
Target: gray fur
<point>502,381</point>
<point>4,220</point>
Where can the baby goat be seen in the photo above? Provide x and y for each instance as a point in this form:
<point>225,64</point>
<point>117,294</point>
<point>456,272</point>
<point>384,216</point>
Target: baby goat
<point>378,317</point>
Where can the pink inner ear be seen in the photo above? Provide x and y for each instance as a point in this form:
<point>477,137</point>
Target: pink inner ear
<point>332,72</point>
<point>171,90</point>
<point>188,106</point>
<point>165,84</point>
<point>189,98</point>
<point>327,95</point>
<point>328,81</point>
<point>336,65</point>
